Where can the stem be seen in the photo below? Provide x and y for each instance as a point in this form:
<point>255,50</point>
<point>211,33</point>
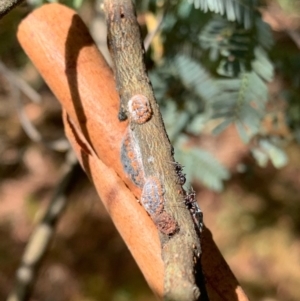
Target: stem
<point>148,144</point>
<point>41,237</point>
<point>7,5</point>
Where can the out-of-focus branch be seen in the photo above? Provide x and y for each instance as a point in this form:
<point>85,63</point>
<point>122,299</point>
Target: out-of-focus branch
<point>150,36</point>
<point>7,5</point>
<point>42,235</point>
<point>32,132</point>
<point>58,43</point>
<point>19,85</point>
<point>295,36</point>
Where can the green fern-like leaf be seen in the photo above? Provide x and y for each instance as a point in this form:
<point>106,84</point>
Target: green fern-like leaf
<point>195,77</point>
<point>242,11</point>
<point>215,68</point>
<point>200,164</point>
<point>241,100</point>
<point>269,150</point>
<point>245,105</point>
<point>174,119</point>
<point>233,47</point>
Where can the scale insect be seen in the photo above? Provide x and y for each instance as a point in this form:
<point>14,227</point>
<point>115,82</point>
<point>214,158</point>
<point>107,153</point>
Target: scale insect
<point>139,109</point>
<point>153,201</point>
<point>131,160</point>
<point>153,196</point>
<point>165,223</point>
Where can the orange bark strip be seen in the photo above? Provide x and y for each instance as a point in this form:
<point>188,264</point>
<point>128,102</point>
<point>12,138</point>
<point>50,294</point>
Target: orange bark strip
<point>67,58</point>
<point>59,45</point>
<point>84,84</point>
<point>131,220</point>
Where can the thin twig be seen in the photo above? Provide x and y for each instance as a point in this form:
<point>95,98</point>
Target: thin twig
<point>21,84</point>
<point>146,154</point>
<point>18,85</point>
<point>41,237</point>
<point>7,5</point>
<point>60,145</point>
<point>27,125</point>
<point>160,18</point>
<point>150,36</point>
<point>295,36</point>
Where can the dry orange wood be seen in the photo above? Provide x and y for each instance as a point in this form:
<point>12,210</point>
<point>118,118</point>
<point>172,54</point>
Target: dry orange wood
<point>131,220</point>
<point>59,45</point>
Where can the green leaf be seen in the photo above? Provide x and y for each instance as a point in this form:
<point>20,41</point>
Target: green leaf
<point>267,149</point>
<point>201,165</point>
<point>275,153</point>
<point>260,157</point>
<point>195,77</point>
<point>242,11</point>
<point>222,126</point>
<point>174,120</point>
<point>242,132</point>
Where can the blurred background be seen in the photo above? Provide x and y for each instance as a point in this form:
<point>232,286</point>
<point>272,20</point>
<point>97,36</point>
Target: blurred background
<point>227,79</point>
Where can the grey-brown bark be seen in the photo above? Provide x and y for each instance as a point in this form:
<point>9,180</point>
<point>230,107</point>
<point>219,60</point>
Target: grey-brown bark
<point>147,155</point>
<point>7,5</point>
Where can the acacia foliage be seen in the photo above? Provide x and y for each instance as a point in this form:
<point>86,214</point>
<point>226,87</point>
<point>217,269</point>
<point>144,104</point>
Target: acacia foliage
<point>215,69</point>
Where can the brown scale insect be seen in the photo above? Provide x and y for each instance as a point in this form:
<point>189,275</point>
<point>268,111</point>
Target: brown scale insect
<point>131,161</point>
<point>180,175</point>
<point>165,223</point>
<point>153,196</point>
<point>139,109</point>
<point>153,201</point>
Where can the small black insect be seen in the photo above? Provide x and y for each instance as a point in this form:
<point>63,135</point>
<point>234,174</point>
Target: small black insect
<point>122,115</point>
<point>192,205</point>
<point>172,150</point>
<point>180,174</point>
<point>181,179</point>
<point>178,167</point>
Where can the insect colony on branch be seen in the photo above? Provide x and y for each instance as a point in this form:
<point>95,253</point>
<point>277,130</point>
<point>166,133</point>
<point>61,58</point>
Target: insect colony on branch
<point>190,199</point>
<point>139,111</point>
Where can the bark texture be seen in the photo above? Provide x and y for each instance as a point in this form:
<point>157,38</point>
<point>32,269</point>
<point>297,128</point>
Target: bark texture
<point>180,244</point>
<point>7,5</point>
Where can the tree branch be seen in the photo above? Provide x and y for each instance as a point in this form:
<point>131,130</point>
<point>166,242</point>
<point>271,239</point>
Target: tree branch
<point>162,196</point>
<point>7,5</point>
<point>21,84</point>
<point>41,237</point>
<point>59,45</point>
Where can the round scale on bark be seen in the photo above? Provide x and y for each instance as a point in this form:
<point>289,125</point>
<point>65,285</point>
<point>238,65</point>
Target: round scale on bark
<point>131,160</point>
<point>165,223</point>
<point>139,109</point>
<point>152,196</point>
